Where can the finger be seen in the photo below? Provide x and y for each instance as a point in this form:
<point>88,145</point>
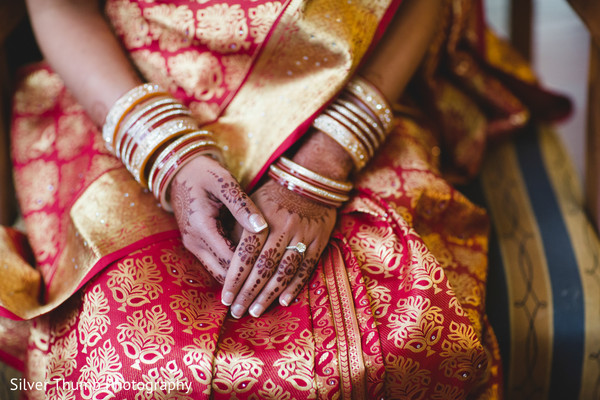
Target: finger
<point>217,268</point>
<point>243,209</point>
<point>242,262</point>
<point>236,233</point>
<point>212,235</point>
<point>300,279</point>
<point>287,269</point>
<point>205,233</point>
<point>199,221</point>
<point>263,270</point>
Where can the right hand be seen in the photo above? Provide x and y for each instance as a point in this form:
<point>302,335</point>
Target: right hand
<point>201,194</point>
<point>264,268</point>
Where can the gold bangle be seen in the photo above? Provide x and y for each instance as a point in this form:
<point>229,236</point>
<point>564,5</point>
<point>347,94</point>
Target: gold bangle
<point>367,93</point>
<point>342,135</point>
<point>353,128</point>
<point>184,156</point>
<point>144,150</point>
<point>140,131</point>
<point>360,113</point>
<point>292,180</point>
<point>360,124</point>
<point>168,151</point>
<point>123,106</point>
<point>138,114</point>
<point>334,184</point>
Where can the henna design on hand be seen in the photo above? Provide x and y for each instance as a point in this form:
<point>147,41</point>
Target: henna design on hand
<point>231,193</point>
<point>220,278</point>
<point>267,262</point>
<point>284,275</point>
<point>287,268</point>
<point>305,272</point>
<point>181,198</point>
<point>223,262</point>
<point>248,254</point>
<point>248,249</point>
<point>294,204</point>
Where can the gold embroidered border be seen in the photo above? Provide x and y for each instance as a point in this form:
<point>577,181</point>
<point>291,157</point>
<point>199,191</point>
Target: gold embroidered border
<point>311,52</point>
<point>102,223</point>
<point>20,283</point>
<point>325,345</point>
<point>351,363</point>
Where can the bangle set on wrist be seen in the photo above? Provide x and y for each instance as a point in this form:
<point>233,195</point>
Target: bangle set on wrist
<point>359,121</point>
<point>154,135</point>
<point>309,184</point>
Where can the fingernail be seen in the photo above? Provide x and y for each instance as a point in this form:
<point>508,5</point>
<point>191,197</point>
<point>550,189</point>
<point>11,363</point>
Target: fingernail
<point>237,311</point>
<point>258,222</point>
<point>227,298</point>
<point>256,310</point>
<point>285,300</point>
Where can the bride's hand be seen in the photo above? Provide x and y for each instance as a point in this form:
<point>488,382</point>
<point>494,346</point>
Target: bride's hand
<point>201,193</point>
<point>263,267</point>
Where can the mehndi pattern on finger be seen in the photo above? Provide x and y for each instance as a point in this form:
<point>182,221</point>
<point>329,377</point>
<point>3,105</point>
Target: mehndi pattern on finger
<point>232,193</point>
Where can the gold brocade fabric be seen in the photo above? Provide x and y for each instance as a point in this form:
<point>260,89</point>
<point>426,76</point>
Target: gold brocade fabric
<point>66,184</point>
<point>308,56</point>
<point>395,308</point>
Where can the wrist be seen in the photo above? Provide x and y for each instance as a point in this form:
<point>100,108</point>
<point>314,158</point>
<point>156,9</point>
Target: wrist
<point>324,156</point>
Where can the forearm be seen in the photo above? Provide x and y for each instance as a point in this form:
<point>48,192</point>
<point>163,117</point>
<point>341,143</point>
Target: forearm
<point>80,46</point>
<point>390,68</point>
<point>401,50</point>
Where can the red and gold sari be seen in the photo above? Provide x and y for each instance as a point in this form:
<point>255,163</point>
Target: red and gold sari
<point>117,308</point>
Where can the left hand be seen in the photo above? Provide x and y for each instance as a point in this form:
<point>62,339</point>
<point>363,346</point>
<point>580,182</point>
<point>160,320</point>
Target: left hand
<point>262,269</point>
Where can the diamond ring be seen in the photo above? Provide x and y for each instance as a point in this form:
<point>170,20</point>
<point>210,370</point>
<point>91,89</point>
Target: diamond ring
<point>299,247</point>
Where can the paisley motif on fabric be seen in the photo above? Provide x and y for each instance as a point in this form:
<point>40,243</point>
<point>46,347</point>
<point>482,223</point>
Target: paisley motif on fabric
<point>270,330</point>
<point>159,378</point>
<point>135,283</point>
<point>416,325</point>
<point>410,380</point>
<point>127,20</point>
<point>154,67</point>
<point>199,359</point>
<point>33,145</point>
<point>237,368</point>
<point>99,372</point>
<point>199,74</point>
<point>62,359</point>
<point>296,364</point>
<point>173,26</point>
<point>197,310</point>
<point>262,18</point>
<point>94,319</point>
<point>146,336</point>
<point>45,88</point>
<point>223,28</point>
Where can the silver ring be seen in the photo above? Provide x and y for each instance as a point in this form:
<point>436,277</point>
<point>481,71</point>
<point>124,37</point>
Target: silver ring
<point>299,247</point>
